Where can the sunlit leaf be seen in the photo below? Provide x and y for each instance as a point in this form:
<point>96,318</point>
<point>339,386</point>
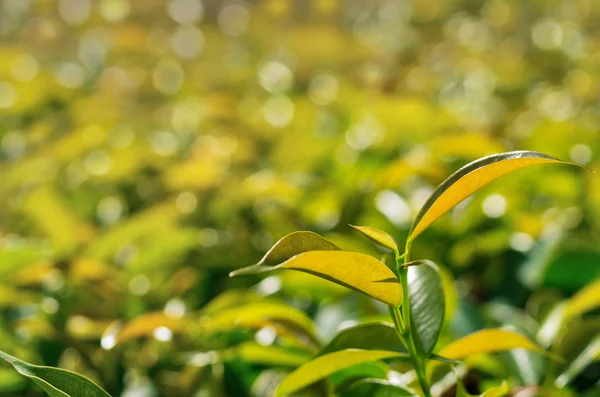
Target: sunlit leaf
<point>427,305</point>
<point>376,388</point>
<point>378,237</point>
<point>146,324</point>
<point>368,336</point>
<point>287,247</point>
<point>324,366</point>
<point>276,356</point>
<point>585,300</point>
<point>56,382</point>
<point>471,178</point>
<point>359,272</point>
<point>489,341</point>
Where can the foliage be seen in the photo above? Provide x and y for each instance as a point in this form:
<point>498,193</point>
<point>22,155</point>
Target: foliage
<point>149,148</point>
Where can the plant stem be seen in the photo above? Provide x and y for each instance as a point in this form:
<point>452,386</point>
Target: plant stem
<point>403,323</point>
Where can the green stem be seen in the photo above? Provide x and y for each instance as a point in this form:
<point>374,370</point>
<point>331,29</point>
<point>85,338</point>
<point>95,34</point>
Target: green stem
<point>404,320</point>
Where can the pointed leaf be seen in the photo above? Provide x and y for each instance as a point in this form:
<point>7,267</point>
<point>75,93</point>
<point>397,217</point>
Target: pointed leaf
<point>378,236</point>
<point>427,305</point>
<point>368,336</point>
<point>56,382</point>
<point>324,366</point>
<point>489,341</point>
<point>585,300</point>
<point>353,270</point>
<point>377,388</point>
<point>471,178</point>
<point>287,247</point>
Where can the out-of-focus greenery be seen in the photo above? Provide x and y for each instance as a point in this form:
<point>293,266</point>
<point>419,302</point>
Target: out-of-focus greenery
<point>147,148</point>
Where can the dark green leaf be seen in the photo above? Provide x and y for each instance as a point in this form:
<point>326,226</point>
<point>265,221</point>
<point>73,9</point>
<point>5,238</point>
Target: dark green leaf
<point>368,336</point>
<point>427,305</point>
<point>56,382</point>
<point>376,388</point>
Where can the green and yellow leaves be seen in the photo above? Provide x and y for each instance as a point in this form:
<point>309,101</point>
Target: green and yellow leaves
<point>378,236</point>
<point>471,178</point>
<point>585,300</point>
<point>56,382</point>
<point>427,305</point>
<point>326,365</point>
<point>357,271</point>
<point>489,341</point>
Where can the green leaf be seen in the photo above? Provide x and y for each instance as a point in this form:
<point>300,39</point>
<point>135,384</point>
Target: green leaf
<point>490,341</point>
<point>497,391</point>
<point>275,356</point>
<point>378,236</point>
<point>368,336</point>
<point>287,247</point>
<point>56,382</point>
<point>353,270</point>
<point>471,178</point>
<point>589,355</point>
<point>427,305</point>
<point>324,366</point>
<point>256,315</point>
<point>376,388</point>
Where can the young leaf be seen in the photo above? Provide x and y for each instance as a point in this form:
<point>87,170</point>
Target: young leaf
<point>427,305</point>
<point>489,341</point>
<point>471,178</point>
<point>287,247</point>
<point>377,388</point>
<point>378,236</point>
<point>368,336</point>
<point>56,382</point>
<point>353,270</point>
<point>585,300</point>
<point>324,366</point>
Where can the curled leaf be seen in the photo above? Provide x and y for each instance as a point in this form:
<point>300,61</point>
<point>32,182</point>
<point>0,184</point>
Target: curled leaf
<point>57,382</point>
<point>324,366</point>
<point>368,336</point>
<point>353,270</point>
<point>377,388</point>
<point>378,236</point>
<point>471,178</point>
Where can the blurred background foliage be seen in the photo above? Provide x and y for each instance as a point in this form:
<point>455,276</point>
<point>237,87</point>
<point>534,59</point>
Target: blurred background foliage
<point>149,147</point>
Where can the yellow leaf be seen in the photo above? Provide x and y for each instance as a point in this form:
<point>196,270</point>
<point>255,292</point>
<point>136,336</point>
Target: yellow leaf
<point>498,391</point>
<point>378,237</point>
<point>585,300</point>
<point>146,324</point>
<point>471,178</point>
<point>324,366</point>
<point>359,272</point>
<point>489,341</point>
